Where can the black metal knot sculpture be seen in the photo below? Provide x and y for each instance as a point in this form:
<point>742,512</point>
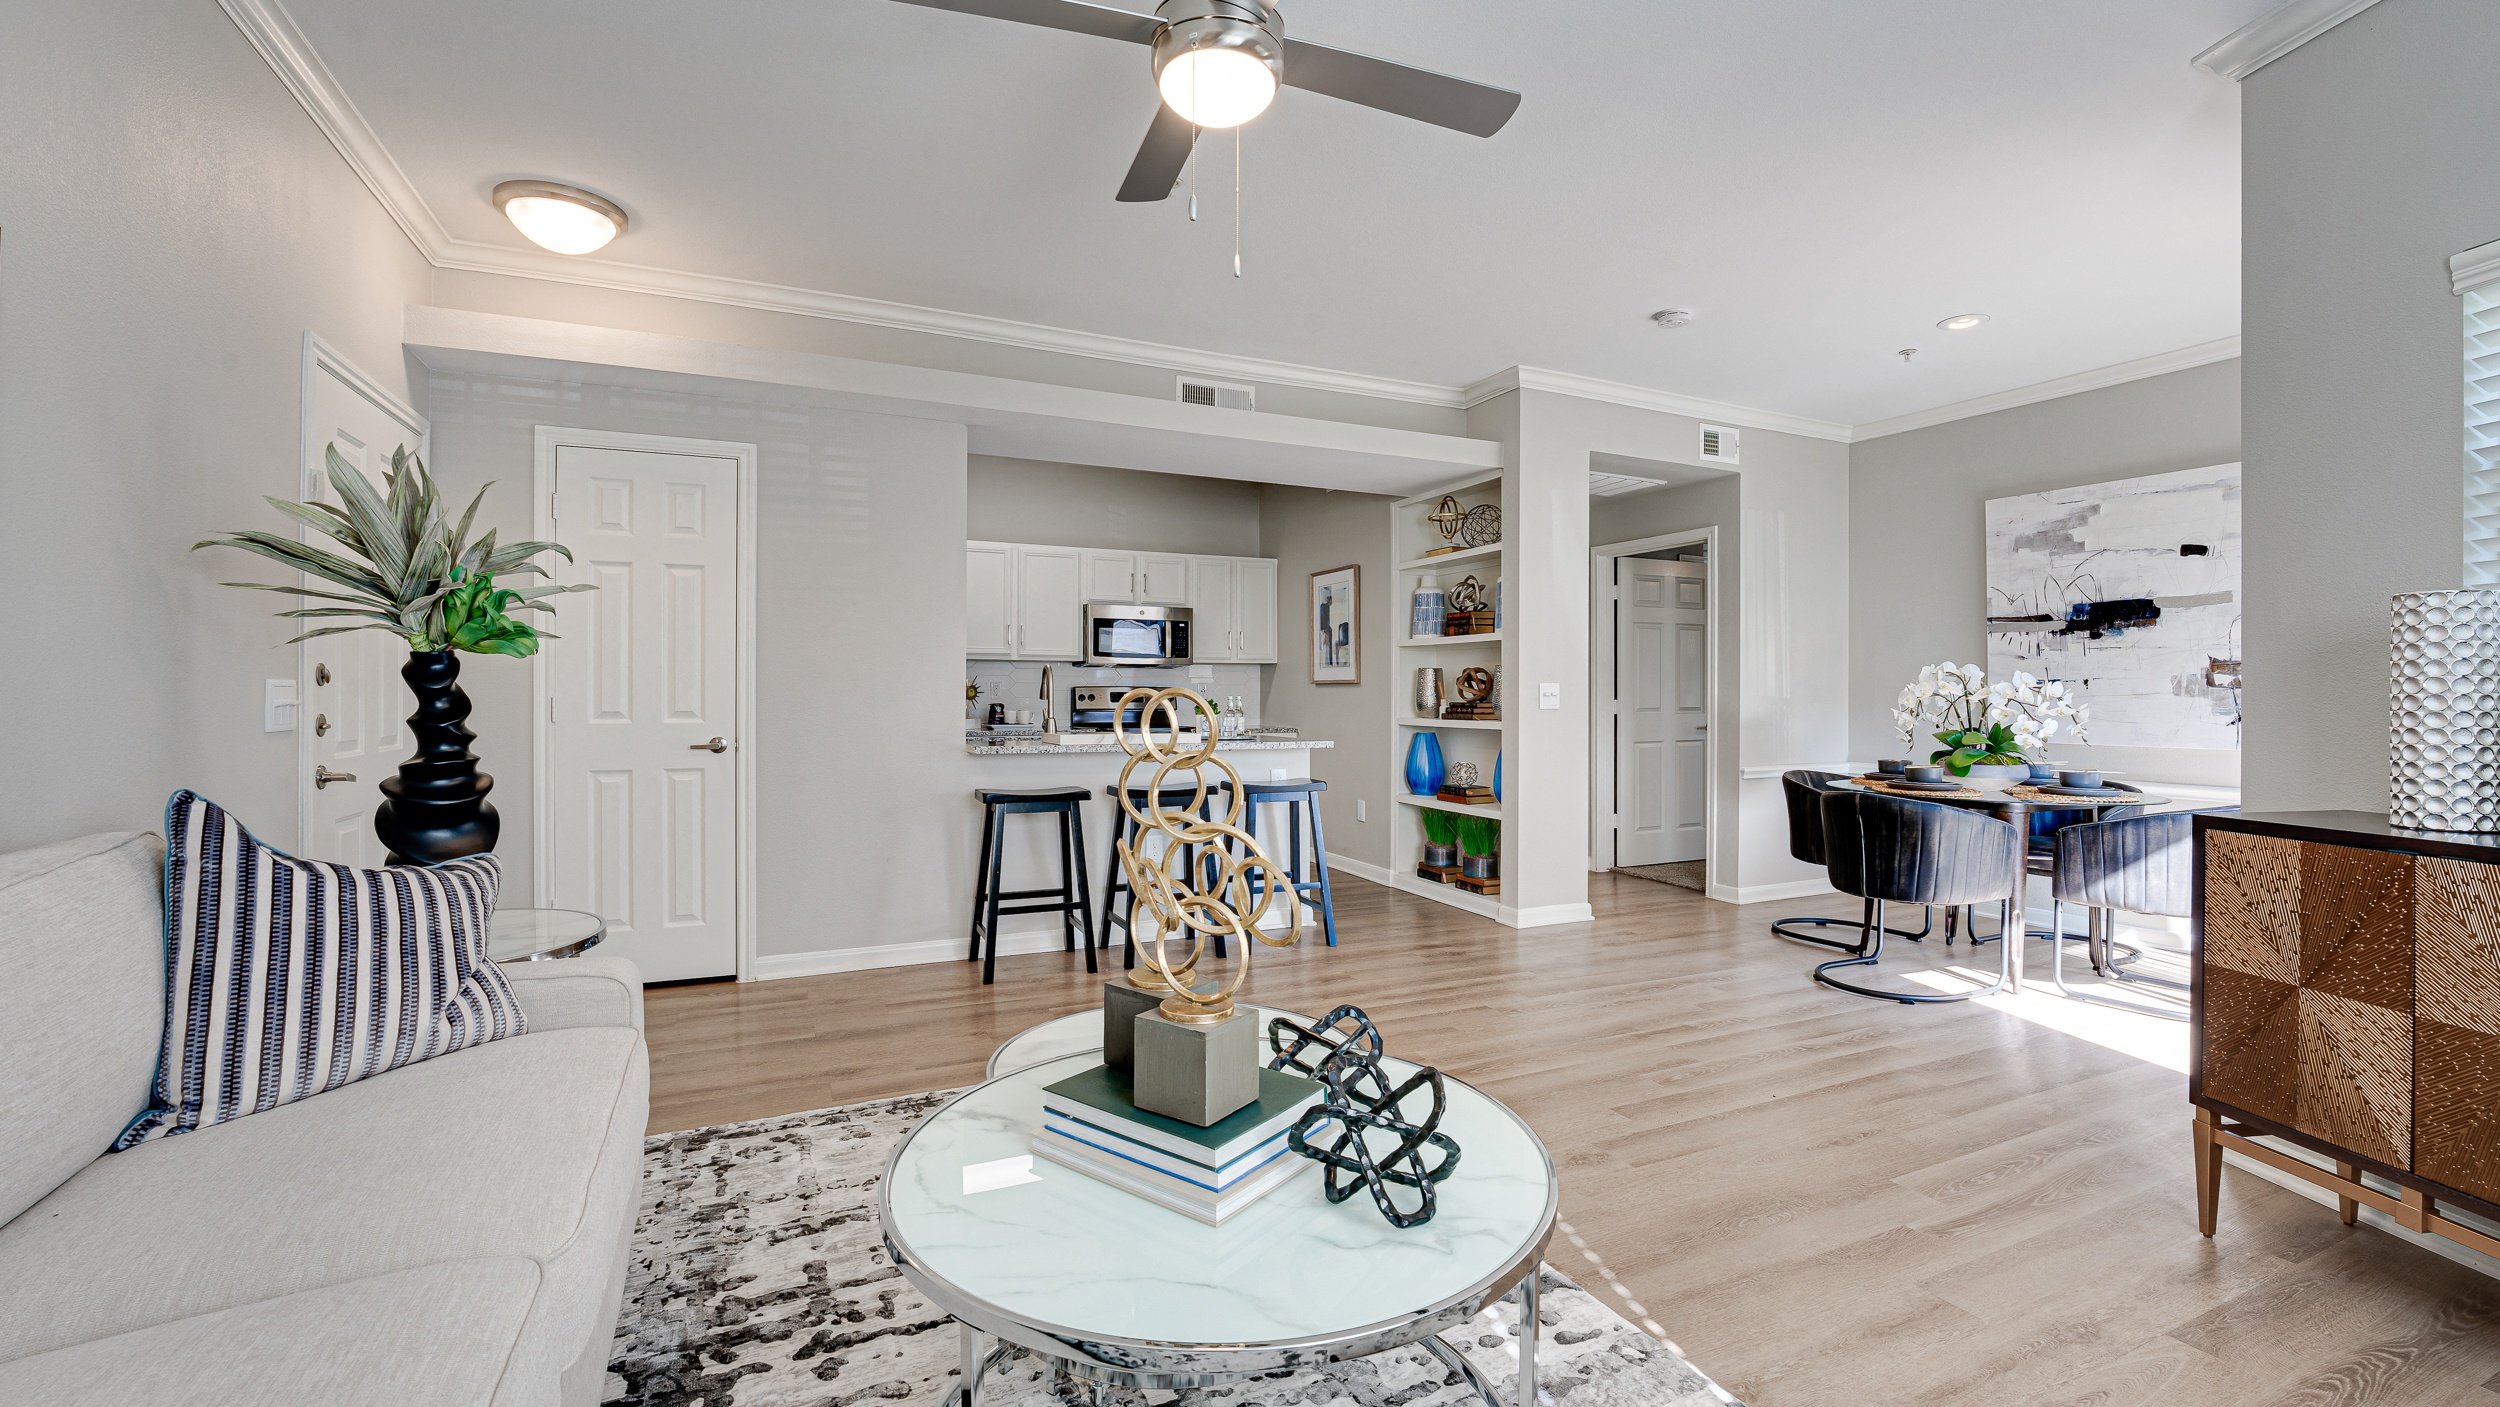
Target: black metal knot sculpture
<point>1343,1052</point>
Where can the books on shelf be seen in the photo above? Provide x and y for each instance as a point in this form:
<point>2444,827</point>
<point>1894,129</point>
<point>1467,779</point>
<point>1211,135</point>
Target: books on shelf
<point>1469,796</point>
<point>1090,1126</point>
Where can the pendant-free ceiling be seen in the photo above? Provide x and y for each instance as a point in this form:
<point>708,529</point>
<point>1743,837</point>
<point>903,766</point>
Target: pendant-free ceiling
<point>1218,63</point>
<point>566,219</point>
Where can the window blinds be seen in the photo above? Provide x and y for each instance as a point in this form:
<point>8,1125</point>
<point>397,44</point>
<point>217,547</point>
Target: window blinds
<point>2482,435</point>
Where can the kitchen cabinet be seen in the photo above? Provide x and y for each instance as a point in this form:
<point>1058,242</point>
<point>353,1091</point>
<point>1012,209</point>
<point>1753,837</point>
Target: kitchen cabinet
<point>1050,603</point>
<point>989,600</point>
<point>1232,601</point>
<point>1138,578</point>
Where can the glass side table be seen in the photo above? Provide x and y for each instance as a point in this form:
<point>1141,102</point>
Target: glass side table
<point>536,935</point>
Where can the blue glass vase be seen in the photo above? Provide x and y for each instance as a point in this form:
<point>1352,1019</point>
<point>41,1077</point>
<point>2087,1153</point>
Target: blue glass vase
<point>1424,768</point>
<point>1497,776</point>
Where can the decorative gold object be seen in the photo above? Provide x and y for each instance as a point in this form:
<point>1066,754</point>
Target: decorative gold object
<point>1175,895</point>
<point>1447,517</point>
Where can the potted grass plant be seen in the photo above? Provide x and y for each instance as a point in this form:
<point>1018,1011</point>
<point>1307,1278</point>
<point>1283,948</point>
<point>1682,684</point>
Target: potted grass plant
<point>410,570</point>
<point>1440,845</point>
<point>1480,844</point>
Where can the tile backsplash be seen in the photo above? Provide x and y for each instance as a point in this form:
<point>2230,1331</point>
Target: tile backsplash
<point>1019,685</point>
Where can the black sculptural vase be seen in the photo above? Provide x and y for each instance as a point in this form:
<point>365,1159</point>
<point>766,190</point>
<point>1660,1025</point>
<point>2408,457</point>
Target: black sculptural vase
<point>435,810</point>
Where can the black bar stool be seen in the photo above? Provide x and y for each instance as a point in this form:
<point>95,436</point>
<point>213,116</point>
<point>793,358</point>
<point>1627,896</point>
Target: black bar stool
<point>1072,900</point>
<point>1115,883</point>
<point>1297,795</point>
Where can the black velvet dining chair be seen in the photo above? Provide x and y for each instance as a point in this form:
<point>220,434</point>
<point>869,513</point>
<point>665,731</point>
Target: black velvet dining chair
<point>1889,850</point>
<point>1805,790</point>
<point>2140,864</point>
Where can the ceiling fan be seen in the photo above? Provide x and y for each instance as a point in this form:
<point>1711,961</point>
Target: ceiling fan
<point>1218,63</point>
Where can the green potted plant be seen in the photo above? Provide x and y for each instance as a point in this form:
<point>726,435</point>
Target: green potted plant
<point>1440,844</point>
<point>1991,733</point>
<point>1480,844</point>
<point>412,572</point>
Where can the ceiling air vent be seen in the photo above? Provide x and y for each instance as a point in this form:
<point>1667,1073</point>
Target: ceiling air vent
<point>1718,444</point>
<point>1224,395</point>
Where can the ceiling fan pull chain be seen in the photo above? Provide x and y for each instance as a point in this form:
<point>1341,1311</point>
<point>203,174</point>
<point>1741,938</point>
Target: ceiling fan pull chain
<point>1237,202</point>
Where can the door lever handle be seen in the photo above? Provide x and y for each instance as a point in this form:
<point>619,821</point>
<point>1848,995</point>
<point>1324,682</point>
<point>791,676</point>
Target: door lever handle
<point>323,776</point>
<point>715,745</point>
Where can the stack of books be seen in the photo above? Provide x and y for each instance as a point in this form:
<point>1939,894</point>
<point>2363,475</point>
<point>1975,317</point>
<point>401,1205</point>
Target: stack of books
<point>1090,1126</point>
<point>1469,795</point>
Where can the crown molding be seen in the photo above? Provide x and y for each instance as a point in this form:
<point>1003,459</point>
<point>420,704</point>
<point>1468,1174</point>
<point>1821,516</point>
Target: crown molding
<point>273,32</point>
<point>2269,37</point>
<point>2221,349</point>
<point>1590,388</point>
<point>2475,267</point>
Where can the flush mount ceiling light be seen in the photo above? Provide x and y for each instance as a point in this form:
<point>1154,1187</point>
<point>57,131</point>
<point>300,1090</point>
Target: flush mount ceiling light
<point>1963,322</point>
<point>1219,68</point>
<point>566,219</point>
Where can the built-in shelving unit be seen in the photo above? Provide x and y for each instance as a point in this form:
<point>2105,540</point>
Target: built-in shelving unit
<point>1479,741</point>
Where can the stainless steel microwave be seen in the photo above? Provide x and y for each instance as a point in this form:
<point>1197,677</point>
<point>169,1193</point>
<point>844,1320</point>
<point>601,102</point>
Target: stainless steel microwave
<point>1117,634</point>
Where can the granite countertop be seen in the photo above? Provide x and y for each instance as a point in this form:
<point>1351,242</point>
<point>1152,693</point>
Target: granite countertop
<point>1016,747</point>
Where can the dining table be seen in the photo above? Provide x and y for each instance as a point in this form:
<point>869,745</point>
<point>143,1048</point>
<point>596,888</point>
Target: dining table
<point>2015,805</point>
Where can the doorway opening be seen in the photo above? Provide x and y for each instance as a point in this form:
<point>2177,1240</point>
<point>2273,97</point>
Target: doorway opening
<point>1654,694</point>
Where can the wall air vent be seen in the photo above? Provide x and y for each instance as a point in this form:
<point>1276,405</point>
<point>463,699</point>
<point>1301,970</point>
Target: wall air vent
<point>1719,444</point>
<point>1603,485</point>
<point>1223,395</point>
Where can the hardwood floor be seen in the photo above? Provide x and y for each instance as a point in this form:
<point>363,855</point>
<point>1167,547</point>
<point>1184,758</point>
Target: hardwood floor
<point>1819,1198</point>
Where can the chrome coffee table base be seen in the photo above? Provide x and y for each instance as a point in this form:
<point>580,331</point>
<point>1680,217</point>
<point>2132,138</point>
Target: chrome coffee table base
<point>982,1353</point>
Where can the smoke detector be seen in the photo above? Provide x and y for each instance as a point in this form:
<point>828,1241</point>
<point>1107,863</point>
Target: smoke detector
<point>1672,317</point>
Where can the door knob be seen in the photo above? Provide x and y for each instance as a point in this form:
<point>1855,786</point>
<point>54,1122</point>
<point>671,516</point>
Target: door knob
<point>715,745</point>
<point>321,674</point>
<point>321,725</point>
<point>323,776</point>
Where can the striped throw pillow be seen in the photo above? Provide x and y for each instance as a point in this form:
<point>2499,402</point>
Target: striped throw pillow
<point>287,978</point>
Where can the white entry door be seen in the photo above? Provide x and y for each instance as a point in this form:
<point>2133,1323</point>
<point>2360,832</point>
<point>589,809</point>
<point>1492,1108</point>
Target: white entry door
<point>351,707</point>
<point>1662,715</point>
<point>639,785</point>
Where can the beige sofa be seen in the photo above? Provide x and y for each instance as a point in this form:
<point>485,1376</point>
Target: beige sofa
<point>451,1232</point>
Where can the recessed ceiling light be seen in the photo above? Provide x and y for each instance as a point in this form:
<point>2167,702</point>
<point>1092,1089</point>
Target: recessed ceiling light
<point>1963,322</point>
<point>1672,317</point>
<point>566,219</point>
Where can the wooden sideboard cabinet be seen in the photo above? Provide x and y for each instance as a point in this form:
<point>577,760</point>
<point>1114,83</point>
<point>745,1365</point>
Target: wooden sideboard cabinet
<point>2347,1000</point>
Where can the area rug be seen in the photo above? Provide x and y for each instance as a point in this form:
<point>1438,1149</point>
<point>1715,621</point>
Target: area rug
<point>759,1279</point>
<point>1683,874</point>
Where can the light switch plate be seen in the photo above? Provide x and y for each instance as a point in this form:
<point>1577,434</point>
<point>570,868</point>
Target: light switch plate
<point>1549,696</point>
<point>277,706</point>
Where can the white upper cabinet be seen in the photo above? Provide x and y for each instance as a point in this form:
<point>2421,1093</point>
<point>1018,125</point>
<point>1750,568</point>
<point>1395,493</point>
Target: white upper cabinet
<point>1110,576</point>
<point>1212,622</point>
<point>1232,602</point>
<point>989,601</point>
<point>1162,579</point>
<point>1050,603</point>
<point>1254,620</point>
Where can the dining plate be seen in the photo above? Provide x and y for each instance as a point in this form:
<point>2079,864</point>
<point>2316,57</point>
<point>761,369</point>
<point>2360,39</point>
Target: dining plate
<point>1908,785</point>
<point>2054,789</point>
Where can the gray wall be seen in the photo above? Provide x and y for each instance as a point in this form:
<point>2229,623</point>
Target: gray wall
<point>1918,515</point>
<point>1312,530</point>
<point>1714,502</point>
<point>174,226</point>
<point>862,775</point>
<point>1085,505</point>
<point>2368,162</point>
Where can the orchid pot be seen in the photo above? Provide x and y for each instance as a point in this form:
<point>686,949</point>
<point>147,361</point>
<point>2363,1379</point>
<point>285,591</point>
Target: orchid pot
<point>1989,733</point>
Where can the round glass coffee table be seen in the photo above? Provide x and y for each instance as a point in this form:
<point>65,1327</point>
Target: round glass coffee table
<point>535,935</point>
<point>1112,1288</point>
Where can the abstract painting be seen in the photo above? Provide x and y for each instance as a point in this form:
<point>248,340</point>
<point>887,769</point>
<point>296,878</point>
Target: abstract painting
<point>2130,591</point>
<point>1336,626</point>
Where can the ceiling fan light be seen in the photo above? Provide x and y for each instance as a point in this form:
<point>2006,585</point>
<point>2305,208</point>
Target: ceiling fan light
<point>564,219</point>
<point>1217,72</point>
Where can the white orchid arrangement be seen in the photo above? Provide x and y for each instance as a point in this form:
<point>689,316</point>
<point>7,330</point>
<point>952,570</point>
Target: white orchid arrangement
<point>1983,723</point>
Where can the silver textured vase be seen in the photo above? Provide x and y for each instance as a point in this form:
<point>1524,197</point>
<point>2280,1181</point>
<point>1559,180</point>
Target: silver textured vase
<point>1429,692</point>
<point>2443,711</point>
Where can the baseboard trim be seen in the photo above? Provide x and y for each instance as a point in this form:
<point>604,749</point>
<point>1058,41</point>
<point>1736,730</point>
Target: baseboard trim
<point>772,967</point>
<point>1547,915</point>
<point>1765,893</point>
<point>1361,869</point>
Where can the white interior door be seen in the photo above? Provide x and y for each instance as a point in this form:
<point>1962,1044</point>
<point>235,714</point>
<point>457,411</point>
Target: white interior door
<point>1662,715</point>
<point>351,708</point>
<point>638,793</point>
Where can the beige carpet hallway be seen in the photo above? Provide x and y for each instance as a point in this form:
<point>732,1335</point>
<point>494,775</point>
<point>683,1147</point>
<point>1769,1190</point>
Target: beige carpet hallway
<point>1825,1200</point>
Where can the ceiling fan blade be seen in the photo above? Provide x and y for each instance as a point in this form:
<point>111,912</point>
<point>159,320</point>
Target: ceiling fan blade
<point>1475,108</point>
<point>1075,16</point>
<point>1159,161</point>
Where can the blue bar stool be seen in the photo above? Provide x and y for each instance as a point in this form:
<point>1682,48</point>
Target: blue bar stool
<point>1115,883</point>
<point>1298,795</point>
<point>1072,900</point>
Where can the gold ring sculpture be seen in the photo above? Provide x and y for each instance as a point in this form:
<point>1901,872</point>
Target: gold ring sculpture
<point>1173,895</point>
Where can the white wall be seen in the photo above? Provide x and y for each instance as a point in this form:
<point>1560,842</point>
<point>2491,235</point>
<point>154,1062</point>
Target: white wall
<point>174,224</point>
<point>2369,155</point>
<point>1918,516</point>
<point>861,779</point>
<point>1313,530</point>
